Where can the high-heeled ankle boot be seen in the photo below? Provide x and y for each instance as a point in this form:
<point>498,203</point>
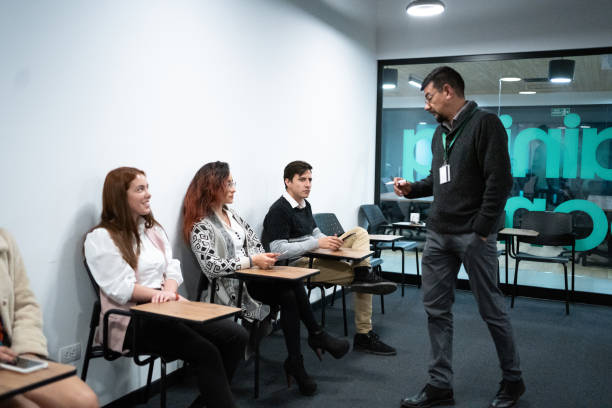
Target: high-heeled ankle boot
<point>294,369</point>
<point>322,341</point>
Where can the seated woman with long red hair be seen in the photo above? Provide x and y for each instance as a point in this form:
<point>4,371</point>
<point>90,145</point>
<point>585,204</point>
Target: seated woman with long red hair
<point>223,242</point>
<point>130,258</point>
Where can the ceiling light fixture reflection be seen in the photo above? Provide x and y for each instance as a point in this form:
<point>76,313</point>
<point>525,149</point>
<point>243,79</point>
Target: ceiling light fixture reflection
<point>527,92</point>
<point>389,78</point>
<point>415,81</point>
<point>509,79</point>
<point>425,8</point>
<point>561,71</point>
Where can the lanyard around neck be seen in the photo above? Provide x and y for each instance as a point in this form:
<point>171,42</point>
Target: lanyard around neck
<point>457,134</point>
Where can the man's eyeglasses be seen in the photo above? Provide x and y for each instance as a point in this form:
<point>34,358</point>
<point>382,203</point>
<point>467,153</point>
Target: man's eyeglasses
<point>429,97</point>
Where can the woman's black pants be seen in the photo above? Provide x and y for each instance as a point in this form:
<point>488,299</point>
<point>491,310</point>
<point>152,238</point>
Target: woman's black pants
<point>294,305</point>
<point>214,348</point>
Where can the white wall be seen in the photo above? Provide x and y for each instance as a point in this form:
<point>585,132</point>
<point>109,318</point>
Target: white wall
<point>492,26</point>
<point>167,86</point>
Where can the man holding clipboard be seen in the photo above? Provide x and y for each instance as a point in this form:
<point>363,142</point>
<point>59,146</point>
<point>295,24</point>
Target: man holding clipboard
<point>290,229</point>
<point>470,180</point>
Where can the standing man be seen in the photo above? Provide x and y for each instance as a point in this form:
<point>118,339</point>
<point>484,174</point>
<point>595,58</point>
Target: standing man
<point>470,180</point>
<point>290,229</point>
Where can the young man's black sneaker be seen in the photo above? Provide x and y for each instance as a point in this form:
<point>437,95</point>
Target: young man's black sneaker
<point>366,281</point>
<point>370,343</point>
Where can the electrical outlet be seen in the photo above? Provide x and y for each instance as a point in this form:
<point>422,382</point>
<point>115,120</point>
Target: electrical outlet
<point>70,353</point>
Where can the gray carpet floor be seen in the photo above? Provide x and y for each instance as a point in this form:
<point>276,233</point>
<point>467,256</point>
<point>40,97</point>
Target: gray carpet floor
<point>566,360</point>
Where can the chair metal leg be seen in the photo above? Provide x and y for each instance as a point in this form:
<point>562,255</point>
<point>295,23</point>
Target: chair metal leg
<point>147,390</point>
<point>333,297</point>
<point>85,365</point>
<point>162,384</point>
<point>87,355</point>
<point>344,311</point>
<point>416,252</point>
<point>256,385</point>
<point>573,264</point>
<point>566,291</point>
<point>403,274</point>
<point>516,265</point>
<point>506,257</point>
<point>322,306</point>
<point>382,303</point>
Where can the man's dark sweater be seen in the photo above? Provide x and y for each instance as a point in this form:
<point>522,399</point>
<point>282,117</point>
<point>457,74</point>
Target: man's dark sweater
<point>480,175</point>
<point>284,223</point>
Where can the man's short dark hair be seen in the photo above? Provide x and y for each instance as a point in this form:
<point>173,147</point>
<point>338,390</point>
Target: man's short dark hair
<point>445,75</point>
<point>295,167</point>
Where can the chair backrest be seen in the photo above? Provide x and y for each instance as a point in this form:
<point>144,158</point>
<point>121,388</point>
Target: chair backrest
<point>554,228</point>
<point>202,286</point>
<point>374,216</point>
<point>96,288</point>
<point>328,223</point>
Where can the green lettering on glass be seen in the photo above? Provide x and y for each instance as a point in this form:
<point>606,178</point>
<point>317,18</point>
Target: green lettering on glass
<point>600,222</point>
<point>409,161</point>
<point>589,164</point>
<point>570,145</point>
<point>521,151</point>
<point>515,203</point>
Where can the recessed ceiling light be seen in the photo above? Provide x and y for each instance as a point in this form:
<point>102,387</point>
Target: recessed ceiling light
<point>527,92</point>
<point>425,8</point>
<point>422,123</point>
<point>389,86</point>
<point>509,79</point>
<point>585,126</point>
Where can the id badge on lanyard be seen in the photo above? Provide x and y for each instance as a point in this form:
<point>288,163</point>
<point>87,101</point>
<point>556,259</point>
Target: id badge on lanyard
<point>445,173</point>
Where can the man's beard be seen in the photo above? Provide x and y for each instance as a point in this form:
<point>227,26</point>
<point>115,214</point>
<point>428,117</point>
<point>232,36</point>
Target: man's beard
<point>439,118</point>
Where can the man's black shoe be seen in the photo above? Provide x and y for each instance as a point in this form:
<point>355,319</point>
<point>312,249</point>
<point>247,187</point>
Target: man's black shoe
<point>370,343</point>
<point>508,394</point>
<point>430,396</point>
<point>366,281</point>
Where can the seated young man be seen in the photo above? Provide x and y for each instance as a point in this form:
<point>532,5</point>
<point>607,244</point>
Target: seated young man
<point>290,229</point>
<point>21,335</point>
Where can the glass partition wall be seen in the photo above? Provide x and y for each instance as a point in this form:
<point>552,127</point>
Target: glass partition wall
<point>557,110</point>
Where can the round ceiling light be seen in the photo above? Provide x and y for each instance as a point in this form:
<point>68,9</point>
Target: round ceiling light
<point>425,8</point>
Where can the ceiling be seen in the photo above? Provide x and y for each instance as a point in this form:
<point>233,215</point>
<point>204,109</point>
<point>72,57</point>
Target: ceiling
<point>592,73</point>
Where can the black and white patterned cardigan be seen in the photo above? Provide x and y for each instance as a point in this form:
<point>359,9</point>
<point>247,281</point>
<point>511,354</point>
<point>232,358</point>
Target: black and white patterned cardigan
<point>214,249</point>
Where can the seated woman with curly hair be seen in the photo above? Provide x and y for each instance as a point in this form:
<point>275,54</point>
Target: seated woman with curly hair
<point>223,243</point>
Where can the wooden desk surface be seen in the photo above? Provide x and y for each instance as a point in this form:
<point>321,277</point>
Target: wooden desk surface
<point>384,238</point>
<point>343,253</point>
<point>198,312</point>
<point>278,272</point>
<point>408,224</point>
<point>518,232</point>
<point>13,383</point>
